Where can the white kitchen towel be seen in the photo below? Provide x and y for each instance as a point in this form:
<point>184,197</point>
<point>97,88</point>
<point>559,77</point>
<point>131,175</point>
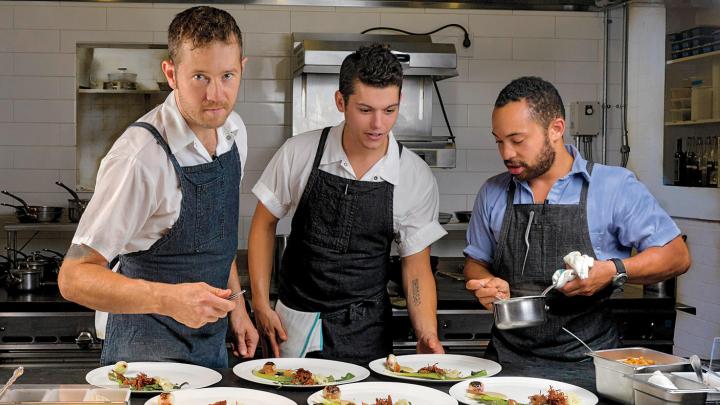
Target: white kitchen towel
<point>580,265</point>
<point>304,331</point>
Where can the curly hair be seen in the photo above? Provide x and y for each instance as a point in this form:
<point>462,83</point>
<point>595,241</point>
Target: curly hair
<point>202,25</point>
<point>542,98</point>
<point>374,65</point>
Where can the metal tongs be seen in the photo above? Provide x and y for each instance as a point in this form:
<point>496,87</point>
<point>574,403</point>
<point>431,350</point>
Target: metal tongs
<point>17,373</point>
<point>527,241</point>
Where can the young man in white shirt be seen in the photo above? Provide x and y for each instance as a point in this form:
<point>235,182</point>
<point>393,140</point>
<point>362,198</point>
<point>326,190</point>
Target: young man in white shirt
<point>166,203</point>
<point>353,190</point>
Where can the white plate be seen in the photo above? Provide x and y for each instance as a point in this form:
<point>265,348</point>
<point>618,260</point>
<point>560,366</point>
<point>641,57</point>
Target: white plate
<point>207,396</point>
<point>520,388</point>
<point>177,373</point>
<point>369,391</point>
<point>336,369</point>
<point>464,364</point>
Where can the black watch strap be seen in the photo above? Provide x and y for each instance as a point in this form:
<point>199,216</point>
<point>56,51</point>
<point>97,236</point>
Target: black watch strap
<point>619,266</point>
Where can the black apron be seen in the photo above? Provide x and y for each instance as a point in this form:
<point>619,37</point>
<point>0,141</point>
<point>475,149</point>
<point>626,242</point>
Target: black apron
<point>200,247</point>
<point>555,231</point>
<point>336,262</point>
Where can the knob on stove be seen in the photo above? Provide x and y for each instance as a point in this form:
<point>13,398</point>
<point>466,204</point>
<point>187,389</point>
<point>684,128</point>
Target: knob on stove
<point>84,340</point>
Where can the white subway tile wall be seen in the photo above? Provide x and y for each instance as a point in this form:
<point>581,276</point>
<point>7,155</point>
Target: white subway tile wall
<point>37,72</point>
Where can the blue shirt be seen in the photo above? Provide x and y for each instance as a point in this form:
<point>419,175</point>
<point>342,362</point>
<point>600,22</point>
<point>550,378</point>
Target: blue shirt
<point>621,212</point>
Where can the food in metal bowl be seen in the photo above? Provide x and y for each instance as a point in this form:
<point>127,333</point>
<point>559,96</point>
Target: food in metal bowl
<point>638,361</point>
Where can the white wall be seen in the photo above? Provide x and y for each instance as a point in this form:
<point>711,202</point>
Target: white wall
<point>37,79</point>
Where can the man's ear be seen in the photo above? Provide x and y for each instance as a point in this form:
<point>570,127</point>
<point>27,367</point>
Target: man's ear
<point>556,129</point>
<point>168,68</point>
<point>340,101</point>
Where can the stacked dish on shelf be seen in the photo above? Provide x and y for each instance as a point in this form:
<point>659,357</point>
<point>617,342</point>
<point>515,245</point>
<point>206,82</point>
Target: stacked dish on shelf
<point>695,41</point>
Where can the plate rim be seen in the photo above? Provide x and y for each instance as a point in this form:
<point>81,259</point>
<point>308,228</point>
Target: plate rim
<point>273,396</point>
<point>216,376</point>
<point>463,401</point>
<point>246,364</point>
<point>384,372</point>
<point>409,385</point>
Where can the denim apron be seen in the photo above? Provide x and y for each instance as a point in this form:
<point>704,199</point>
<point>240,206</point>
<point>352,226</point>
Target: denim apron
<point>555,231</point>
<point>336,262</point>
<point>200,247</point>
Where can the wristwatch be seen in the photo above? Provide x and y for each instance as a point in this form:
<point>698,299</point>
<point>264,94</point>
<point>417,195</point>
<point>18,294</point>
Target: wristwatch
<point>620,276</point>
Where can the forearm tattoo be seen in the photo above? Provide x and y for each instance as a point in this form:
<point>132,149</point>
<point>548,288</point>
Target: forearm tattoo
<point>415,293</point>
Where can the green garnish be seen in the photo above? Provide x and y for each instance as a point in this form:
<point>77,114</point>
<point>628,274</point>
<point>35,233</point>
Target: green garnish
<point>120,379</point>
<point>436,376</point>
<point>280,378</point>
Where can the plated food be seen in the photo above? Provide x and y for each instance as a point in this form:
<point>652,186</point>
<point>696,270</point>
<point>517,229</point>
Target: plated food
<point>141,381</point>
<point>380,393</point>
<point>332,395</point>
<point>520,391</point>
<point>434,367</point>
<point>219,396</point>
<point>153,377</point>
<point>299,376</point>
<point>476,391</point>
<point>300,372</point>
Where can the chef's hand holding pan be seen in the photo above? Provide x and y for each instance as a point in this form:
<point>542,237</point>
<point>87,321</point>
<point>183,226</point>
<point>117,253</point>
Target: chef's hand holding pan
<point>197,304</point>
<point>271,330</point>
<point>489,290</point>
<point>599,276</point>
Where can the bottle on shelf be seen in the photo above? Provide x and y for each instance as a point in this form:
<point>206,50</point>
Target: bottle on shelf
<point>691,163</point>
<point>679,176</point>
<point>702,153</point>
<point>712,161</point>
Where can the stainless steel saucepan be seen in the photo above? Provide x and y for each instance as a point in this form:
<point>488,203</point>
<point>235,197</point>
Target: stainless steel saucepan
<point>76,206</point>
<point>521,312</point>
<point>34,213</point>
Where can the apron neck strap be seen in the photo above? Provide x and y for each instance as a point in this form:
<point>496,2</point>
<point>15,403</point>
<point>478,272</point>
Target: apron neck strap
<point>321,147</point>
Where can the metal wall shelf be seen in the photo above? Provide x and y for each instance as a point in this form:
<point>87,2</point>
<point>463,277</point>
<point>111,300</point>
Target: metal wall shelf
<point>107,91</point>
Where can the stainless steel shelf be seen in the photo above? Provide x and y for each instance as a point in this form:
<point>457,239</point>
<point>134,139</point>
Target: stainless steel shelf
<point>455,226</point>
<point>46,227</point>
<point>108,91</point>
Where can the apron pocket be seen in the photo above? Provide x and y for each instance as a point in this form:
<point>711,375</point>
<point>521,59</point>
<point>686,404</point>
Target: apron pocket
<point>210,219</point>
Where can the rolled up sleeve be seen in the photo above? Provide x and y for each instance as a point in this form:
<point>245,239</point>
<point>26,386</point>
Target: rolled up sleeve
<point>638,218</point>
<point>420,227</point>
<point>123,201</point>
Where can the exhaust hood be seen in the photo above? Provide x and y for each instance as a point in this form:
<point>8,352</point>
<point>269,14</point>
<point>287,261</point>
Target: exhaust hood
<point>316,61</point>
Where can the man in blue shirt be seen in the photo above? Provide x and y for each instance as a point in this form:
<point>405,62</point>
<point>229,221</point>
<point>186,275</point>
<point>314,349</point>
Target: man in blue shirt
<point>559,202</point>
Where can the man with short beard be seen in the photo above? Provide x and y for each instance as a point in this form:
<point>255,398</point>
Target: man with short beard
<point>563,203</point>
<point>166,204</point>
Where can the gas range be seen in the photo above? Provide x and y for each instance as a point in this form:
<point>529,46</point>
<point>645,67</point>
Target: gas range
<point>41,329</point>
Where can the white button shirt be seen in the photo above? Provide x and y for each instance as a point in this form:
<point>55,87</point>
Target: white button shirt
<point>415,195</point>
<point>137,193</point>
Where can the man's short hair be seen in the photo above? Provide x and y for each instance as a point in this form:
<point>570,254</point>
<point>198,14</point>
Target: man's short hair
<point>202,25</point>
<point>373,65</point>
<point>542,98</point>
